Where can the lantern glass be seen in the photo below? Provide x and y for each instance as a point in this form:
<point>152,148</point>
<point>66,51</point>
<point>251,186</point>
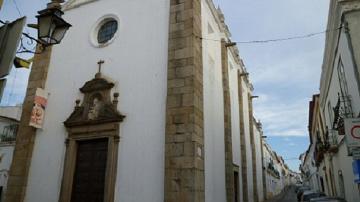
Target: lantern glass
<point>52,27</point>
<point>59,33</point>
<point>44,23</point>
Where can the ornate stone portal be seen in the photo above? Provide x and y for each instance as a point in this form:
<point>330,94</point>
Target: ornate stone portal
<point>92,144</point>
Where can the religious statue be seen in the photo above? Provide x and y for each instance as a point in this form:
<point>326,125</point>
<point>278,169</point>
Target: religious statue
<point>94,109</point>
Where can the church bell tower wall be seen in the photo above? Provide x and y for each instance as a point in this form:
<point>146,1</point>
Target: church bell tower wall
<point>184,157</point>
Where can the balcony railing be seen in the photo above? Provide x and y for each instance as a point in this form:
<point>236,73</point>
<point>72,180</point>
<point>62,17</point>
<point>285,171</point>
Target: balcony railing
<point>273,171</point>
<point>342,110</point>
<point>9,134</point>
<point>7,139</point>
<point>320,149</point>
<point>333,142</point>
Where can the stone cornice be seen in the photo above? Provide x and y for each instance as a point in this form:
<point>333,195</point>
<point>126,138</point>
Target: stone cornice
<point>219,17</point>
<point>220,20</point>
<point>75,3</point>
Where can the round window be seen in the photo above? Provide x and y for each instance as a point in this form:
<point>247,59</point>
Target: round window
<point>107,31</point>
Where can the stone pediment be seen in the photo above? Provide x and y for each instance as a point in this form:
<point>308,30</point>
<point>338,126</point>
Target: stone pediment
<point>97,106</point>
<point>70,4</point>
<point>96,84</point>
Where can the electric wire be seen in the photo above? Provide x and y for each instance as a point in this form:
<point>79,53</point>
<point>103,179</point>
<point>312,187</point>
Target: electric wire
<point>17,8</point>
<point>278,39</point>
<point>20,13</point>
<point>268,40</point>
<point>289,159</point>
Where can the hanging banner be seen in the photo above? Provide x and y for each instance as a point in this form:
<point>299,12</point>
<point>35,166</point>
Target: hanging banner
<point>10,35</point>
<point>38,111</point>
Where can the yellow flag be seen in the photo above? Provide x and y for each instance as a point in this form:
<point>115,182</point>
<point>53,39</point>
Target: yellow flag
<point>22,63</point>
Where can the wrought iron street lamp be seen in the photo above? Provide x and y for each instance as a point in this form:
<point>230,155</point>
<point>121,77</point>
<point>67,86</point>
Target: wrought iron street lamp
<point>51,26</point>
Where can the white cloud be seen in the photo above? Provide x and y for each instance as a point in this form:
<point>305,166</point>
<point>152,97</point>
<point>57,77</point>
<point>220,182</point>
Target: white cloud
<point>292,144</point>
<point>283,119</point>
<point>298,69</point>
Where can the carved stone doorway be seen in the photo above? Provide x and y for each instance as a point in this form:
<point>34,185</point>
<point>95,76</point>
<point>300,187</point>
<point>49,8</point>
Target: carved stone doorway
<point>92,145</point>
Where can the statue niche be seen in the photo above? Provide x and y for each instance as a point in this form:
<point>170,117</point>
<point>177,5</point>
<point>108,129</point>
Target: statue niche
<point>94,107</point>
<point>97,106</point>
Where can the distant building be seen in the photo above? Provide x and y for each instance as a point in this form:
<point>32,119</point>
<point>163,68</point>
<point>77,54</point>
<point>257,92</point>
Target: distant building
<point>277,173</point>
<point>9,123</point>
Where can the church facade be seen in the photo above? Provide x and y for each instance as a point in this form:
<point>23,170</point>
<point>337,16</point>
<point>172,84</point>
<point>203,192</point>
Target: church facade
<point>147,101</point>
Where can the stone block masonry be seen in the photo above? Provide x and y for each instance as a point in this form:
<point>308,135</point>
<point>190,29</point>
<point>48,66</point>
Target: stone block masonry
<point>184,135</point>
<point>253,151</point>
<point>229,168</point>
<point>25,138</point>
<point>242,140</point>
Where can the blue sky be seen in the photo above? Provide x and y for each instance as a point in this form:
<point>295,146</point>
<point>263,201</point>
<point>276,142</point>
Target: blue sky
<point>17,79</point>
<point>284,74</point>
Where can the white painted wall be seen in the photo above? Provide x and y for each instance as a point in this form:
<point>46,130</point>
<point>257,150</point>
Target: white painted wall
<point>245,97</point>
<point>259,168</point>
<point>6,154</point>
<point>213,110</point>
<point>13,112</point>
<point>235,118</point>
<point>137,62</point>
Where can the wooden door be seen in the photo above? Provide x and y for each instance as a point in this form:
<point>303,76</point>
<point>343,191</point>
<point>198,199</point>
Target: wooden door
<point>89,178</point>
<point>236,186</point>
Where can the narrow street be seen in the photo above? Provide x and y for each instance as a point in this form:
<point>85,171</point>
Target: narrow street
<point>288,196</point>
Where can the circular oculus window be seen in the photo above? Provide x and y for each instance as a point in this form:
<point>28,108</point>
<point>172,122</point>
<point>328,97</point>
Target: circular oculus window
<point>107,31</point>
<point>104,31</point>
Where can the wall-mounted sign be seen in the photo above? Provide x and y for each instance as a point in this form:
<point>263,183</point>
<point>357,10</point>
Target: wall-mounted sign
<point>352,130</point>
<point>38,111</point>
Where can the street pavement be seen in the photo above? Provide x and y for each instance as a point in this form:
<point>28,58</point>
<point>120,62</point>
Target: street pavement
<point>288,195</point>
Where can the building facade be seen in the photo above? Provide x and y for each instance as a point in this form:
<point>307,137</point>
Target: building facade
<point>339,100</point>
<point>9,123</point>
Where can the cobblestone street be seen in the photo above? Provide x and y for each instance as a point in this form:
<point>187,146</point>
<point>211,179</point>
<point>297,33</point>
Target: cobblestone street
<point>288,196</point>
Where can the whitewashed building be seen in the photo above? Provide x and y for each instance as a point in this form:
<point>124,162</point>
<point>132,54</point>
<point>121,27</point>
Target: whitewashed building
<point>276,172</point>
<point>164,110</point>
<point>340,89</point>
<point>258,158</point>
<point>339,100</point>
